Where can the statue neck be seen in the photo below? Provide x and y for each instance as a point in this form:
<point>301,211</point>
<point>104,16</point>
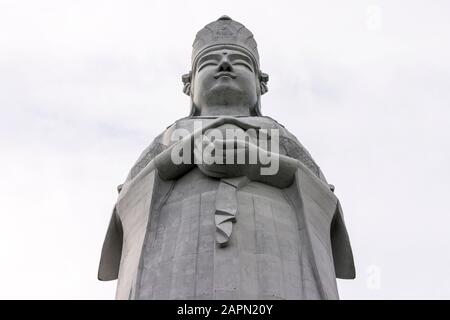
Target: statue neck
<point>225,111</point>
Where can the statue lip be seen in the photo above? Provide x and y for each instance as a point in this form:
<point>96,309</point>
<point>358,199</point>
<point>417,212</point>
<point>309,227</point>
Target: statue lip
<point>225,74</point>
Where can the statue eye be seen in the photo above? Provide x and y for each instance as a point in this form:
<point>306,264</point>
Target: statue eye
<point>207,64</point>
<point>243,63</point>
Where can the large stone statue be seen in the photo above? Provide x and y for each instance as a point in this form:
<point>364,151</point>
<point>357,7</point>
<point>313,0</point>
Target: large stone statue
<point>206,215</point>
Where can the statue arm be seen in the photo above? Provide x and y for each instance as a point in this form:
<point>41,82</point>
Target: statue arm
<point>163,162</point>
<point>279,172</point>
<point>282,178</point>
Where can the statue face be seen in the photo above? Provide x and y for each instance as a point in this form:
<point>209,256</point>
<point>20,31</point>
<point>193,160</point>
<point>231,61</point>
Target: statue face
<point>225,82</point>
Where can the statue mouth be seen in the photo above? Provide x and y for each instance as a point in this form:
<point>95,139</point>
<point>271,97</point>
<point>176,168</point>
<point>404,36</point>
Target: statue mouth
<point>225,74</point>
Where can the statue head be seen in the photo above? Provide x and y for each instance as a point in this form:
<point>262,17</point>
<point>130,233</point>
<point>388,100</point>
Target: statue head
<point>225,75</point>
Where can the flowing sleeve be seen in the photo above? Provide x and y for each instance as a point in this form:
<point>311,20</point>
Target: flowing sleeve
<point>112,250</point>
<point>112,246</point>
<point>341,248</point>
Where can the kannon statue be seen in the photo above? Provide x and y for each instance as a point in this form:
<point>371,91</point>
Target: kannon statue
<point>270,228</point>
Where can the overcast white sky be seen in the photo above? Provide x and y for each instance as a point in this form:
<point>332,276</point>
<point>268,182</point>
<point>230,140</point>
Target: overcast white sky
<point>86,85</point>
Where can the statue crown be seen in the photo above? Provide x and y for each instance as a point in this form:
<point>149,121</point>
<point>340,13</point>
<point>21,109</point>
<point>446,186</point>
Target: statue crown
<point>225,31</point>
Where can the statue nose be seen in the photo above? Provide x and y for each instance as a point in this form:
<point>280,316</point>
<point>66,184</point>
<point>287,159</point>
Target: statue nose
<point>225,66</point>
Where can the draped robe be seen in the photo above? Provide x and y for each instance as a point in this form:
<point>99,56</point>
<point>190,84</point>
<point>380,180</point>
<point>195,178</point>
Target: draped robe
<point>285,243</point>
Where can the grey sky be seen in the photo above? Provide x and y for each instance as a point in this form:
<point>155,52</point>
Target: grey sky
<point>86,85</point>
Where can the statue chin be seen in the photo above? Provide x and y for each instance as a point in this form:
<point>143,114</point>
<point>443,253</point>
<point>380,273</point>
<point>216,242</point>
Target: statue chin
<point>225,110</point>
<point>227,100</point>
<point>226,90</point>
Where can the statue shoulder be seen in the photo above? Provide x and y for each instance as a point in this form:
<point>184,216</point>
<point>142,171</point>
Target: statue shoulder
<point>158,145</point>
<point>152,150</point>
<point>295,149</point>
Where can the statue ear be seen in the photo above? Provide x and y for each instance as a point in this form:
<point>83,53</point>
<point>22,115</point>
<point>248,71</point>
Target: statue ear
<point>186,78</point>
<point>263,79</point>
